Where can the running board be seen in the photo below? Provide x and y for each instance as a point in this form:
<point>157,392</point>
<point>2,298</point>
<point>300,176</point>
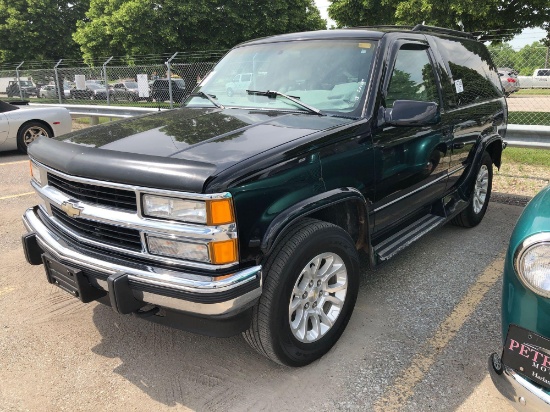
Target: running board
<point>400,240</point>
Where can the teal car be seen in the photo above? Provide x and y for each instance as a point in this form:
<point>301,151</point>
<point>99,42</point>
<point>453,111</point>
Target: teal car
<point>522,372</point>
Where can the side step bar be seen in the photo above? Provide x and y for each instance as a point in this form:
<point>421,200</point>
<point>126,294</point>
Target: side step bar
<point>400,240</point>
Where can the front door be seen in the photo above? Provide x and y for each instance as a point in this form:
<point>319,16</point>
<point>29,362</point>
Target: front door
<point>412,162</point>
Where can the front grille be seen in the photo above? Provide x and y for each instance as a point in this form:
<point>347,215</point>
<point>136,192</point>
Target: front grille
<point>105,233</point>
<point>100,195</point>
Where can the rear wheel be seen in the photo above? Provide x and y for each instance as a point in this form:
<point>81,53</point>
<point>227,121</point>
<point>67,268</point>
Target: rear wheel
<point>481,194</point>
<point>310,288</point>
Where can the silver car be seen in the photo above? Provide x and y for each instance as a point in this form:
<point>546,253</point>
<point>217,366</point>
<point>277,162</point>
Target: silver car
<point>509,80</point>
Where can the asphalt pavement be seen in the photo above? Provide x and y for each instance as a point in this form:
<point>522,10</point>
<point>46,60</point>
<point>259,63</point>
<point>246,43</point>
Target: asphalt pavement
<point>423,328</point>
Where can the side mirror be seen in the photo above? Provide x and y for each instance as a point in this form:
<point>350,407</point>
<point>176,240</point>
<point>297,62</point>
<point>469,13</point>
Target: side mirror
<point>412,113</point>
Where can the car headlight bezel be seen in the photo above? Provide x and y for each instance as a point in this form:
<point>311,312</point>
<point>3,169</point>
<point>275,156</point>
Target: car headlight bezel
<point>524,268</point>
<point>36,173</point>
<point>209,212</point>
<point>173,208</point>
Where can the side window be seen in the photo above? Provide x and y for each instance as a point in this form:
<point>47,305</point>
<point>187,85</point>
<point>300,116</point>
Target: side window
<point>474,76</point>
<point>412,77</point>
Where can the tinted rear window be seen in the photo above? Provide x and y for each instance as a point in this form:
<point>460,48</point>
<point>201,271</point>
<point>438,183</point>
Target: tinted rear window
<point>470,64</point>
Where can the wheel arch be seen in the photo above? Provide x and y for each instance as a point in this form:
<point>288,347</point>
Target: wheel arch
<point>43,122</point>
<point>491,145</point>
<point>494,148</point>
<point>344,207</point>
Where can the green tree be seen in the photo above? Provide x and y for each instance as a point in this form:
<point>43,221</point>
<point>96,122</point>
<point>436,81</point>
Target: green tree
<point>497,19</point>
<point>129,27</point>
<point>504,55</point>
<point>529,58</point>
<point>39,29</point>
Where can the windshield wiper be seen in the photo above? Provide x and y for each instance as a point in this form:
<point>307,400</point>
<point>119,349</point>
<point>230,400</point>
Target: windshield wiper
<point>274,93</point>
<point>210,97</point>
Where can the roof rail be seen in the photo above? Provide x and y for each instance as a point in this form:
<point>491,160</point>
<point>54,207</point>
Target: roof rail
<point>420,27</point>
<point>442,30</point>
<point>383,26</point>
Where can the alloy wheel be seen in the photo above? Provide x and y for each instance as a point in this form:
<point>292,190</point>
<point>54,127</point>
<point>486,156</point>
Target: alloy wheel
<point>318,297</point>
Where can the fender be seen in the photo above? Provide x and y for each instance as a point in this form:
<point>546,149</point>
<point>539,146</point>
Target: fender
<point>308,206</point>
<point>465,187</point>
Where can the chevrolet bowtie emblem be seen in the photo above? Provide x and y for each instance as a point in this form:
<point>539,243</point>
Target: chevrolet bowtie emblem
<point>71,208</point>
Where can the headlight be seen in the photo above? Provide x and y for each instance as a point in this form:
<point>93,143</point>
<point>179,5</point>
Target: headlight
<point>210,212</point>
<point>178,249</point>
<point>192,211</point>
<point>532,263</point>
<point>35,173</point>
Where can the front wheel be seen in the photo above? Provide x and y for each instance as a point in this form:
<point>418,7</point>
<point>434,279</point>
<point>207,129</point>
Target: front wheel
<point>29,132</point>
<point>481,194</point>
<point>310,288</point>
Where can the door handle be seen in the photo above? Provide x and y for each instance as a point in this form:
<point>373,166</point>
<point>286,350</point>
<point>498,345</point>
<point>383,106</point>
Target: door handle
<point>458,145</point>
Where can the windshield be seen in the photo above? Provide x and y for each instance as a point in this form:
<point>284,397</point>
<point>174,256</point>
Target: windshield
<point>131,85</point>
<point>95,86</point>
<point>330,75</point>
<point>25,83</point>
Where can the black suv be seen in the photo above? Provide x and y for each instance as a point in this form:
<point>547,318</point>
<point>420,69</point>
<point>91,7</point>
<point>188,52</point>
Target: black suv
<point>160,90</point>
<point>247,213</point>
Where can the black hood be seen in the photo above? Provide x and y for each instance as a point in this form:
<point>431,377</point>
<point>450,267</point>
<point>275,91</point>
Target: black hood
<point>206,141</point>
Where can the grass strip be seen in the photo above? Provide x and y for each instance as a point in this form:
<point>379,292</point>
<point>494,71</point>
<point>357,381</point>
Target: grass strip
<point>531,118</point>
<point>530,157</point>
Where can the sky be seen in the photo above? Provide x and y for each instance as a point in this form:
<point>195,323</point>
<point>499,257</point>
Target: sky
<point>528,36</point>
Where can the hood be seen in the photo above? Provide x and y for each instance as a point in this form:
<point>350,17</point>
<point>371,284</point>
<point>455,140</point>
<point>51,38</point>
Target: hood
<point>204,142</point>
<point>220,137</point>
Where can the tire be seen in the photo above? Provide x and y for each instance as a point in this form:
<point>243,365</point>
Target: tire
<point>229,91</point>
<point>29,132</point>
<point>289,327</point>
<point>481,194</point>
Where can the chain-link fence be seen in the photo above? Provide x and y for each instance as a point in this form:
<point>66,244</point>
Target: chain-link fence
<point>165,81</point>
<point>525,77</point>
<point>156,81</point>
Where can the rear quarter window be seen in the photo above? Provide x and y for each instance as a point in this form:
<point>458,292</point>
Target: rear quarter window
<point>473,74</point>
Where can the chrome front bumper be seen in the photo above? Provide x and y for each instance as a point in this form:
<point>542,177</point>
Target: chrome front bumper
<point>524,395</point>
<point>187,292</point>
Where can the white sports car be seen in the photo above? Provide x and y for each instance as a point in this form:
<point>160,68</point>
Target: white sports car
<point>20,125</point>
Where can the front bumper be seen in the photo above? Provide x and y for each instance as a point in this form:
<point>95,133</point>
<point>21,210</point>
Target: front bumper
<point>523,394</point>
<point>146,284</point>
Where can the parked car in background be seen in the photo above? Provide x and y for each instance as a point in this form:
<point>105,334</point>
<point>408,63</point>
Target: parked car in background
<point>239,84</point>
<point>128,91</point>
<point>509,80</point>
<point>93,91</point>
<point>522,372</point>
<point>539,80</point>
<point>160,90</point>
<point>27,88</point>
<point>20,125</point>
<point>48,91</point>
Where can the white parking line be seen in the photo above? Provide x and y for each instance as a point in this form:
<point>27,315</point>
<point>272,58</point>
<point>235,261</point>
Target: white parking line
<point>19,195</point>
<point>14,163</point>
<point>403,387</point>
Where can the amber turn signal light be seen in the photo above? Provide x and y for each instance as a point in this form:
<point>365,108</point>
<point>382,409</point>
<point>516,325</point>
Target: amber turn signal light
<point>223,252</point>
<point>220,212</point>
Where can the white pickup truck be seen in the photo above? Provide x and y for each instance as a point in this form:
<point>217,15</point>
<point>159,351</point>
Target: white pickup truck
<point>539,80</point>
